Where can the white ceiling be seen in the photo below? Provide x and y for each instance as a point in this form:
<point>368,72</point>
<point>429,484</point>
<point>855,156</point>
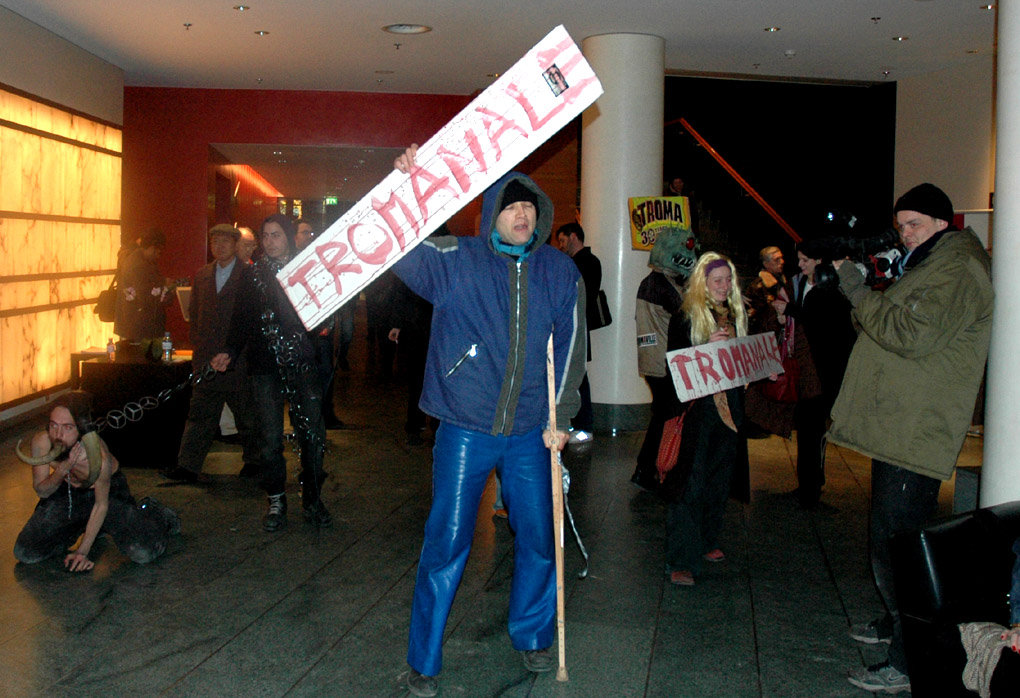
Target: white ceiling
<point>323,45</point>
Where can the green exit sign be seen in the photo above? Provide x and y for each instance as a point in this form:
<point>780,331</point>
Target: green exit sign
<point>331,201</point>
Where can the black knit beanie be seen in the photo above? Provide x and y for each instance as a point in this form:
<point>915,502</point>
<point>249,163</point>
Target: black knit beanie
<point>515,191</point>
<point>927,199</point>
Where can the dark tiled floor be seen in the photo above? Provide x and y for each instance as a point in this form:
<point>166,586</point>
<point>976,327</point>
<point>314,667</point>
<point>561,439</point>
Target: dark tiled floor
<point>231,610</point>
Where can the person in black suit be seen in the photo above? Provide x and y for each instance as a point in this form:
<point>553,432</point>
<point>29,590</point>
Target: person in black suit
<point>212,304</point>
<point>571,241</point>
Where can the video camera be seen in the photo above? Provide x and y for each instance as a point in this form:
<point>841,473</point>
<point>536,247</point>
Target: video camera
<point>879,256</point>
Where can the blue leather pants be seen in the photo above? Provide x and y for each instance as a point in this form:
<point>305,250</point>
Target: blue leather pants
<point>462,460</point>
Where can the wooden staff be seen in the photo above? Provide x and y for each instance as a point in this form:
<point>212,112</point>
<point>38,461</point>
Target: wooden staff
<point>557,503</point>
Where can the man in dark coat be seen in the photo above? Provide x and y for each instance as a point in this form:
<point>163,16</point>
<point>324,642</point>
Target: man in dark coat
<point>142,291</point>
<point>571,240</point>
<point>212,303</point>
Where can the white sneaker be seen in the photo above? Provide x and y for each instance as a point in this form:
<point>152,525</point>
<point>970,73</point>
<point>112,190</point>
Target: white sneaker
<point>879,678</point>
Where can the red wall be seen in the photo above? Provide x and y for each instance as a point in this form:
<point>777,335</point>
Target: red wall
<point>167,132</point>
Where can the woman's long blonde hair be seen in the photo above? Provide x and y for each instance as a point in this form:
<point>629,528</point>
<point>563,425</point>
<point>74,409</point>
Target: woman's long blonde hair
<point>697,304</point>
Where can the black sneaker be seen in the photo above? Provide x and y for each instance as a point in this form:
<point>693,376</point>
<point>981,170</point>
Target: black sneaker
<point>539,660</point>
<point>182,474</point>
<point>318,514</point>
<point>170,518</point>
<point>646,482</point>
<point>276,516</point>
<point>420,685</point>
<point>869,634</point>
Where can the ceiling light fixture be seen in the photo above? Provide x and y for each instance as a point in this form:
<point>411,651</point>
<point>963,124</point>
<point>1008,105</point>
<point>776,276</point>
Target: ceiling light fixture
<point>772,30</point>
<point>187,26</point>
<point>242,8</point>
<point>901,38</point>
<point>261,32</point>
<point>407,29</point>
<point>988,7</point>
<point>876,20</point>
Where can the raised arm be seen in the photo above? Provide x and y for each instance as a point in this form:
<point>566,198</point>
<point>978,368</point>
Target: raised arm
<point>79,561</point>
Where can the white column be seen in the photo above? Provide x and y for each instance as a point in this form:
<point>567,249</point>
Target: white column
<point>621,157</point>
<point>1000,473</point>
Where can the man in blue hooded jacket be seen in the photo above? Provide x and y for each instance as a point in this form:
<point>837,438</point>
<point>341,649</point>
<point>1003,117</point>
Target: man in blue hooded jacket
<point>497,298</point>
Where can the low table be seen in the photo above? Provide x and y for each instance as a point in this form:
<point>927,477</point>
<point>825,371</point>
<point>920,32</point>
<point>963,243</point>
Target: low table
<point>153,440</point>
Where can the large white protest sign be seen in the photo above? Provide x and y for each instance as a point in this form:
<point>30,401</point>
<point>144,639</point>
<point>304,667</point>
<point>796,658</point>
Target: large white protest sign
<point>538,96</point>
<point>712,368</point>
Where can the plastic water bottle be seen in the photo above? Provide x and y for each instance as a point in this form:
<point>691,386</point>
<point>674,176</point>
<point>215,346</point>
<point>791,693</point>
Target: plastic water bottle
<point>111,350</point>
<point>168,348</point>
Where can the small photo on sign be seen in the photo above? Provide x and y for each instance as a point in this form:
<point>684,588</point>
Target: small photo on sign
<point>557,83</point>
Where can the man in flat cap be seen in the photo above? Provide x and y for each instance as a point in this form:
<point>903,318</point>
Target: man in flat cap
<point>909,390</point>
<point>212,303</point>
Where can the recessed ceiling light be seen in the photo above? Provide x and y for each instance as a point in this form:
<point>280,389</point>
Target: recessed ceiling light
<point>407,29</point>
<point>900,38</point>
<point>242,8</point>
<point>772,30</point>
<point>988,7</point>
<point>261,32</point>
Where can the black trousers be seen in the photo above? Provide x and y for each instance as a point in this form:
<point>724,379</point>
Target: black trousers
<point>663,401</point>
<point>204,424</point>
<point>269,399</point>
<point>900,500</point>
<point>809,417</point>
<point>58,521</point>
<point>694,519</point>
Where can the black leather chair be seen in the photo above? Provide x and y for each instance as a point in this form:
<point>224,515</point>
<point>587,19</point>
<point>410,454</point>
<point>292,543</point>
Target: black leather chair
<point>954,571</point>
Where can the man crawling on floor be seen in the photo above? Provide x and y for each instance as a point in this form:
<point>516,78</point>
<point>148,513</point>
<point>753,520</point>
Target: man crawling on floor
<point>82,492</point>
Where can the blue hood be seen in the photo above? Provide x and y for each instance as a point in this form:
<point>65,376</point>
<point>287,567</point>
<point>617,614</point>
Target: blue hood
<point>492,204</point>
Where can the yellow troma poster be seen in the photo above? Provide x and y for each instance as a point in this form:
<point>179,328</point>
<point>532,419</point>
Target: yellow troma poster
<point>649,214</point>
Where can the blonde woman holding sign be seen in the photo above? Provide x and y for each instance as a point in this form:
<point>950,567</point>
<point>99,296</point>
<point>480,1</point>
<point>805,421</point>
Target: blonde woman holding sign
<point>698,485</point>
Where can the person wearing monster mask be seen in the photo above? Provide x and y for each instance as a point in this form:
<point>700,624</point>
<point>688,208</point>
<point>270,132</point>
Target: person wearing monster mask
<point>658,298</point>
<point>82,492</point>
<point>497,298</point>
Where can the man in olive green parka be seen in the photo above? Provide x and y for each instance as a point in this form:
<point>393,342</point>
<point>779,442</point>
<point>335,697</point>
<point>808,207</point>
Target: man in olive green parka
<point>909,390</point>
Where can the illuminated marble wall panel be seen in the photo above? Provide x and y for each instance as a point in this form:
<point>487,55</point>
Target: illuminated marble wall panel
<point>60,196</point>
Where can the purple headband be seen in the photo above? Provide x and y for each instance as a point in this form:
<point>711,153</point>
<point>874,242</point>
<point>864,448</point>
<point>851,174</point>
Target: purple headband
<point>715,264</point>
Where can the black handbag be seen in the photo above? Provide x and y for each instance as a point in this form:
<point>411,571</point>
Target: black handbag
<point>106,303</point>
<point>600,316</point>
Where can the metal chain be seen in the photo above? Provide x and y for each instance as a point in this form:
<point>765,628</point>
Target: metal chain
<point>134,411</point>
<point>286,350</point>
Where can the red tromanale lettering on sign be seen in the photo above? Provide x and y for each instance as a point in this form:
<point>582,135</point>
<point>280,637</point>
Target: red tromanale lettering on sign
<point>500,127</point>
